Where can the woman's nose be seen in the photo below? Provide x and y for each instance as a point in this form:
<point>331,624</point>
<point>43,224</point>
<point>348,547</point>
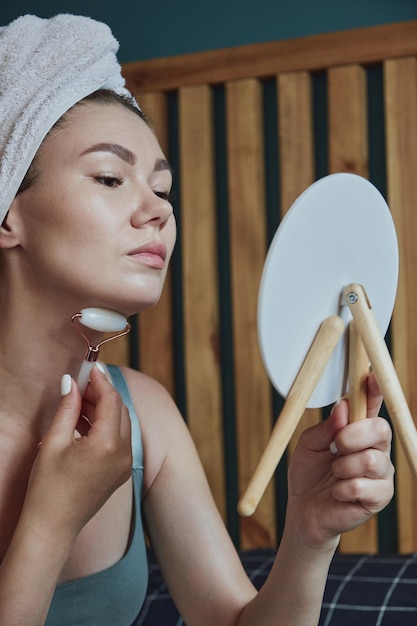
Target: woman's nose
<point>154,210</point>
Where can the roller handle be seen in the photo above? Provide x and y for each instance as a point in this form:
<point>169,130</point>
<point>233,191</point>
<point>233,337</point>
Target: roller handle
<point>84,375</point>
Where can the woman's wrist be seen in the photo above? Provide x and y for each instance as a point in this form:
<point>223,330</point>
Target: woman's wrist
<point>312,539</point>
<point>42,535</point>
<point>29,574</point>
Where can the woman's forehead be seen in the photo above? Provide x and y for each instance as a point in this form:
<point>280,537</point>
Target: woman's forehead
<point>92,124</point>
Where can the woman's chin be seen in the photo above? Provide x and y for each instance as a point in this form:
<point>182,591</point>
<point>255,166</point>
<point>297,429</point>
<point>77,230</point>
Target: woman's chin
<point>137,307</point>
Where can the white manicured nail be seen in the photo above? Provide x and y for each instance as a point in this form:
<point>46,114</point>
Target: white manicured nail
<point>100,367</point>
<point>333,448</point>
<point>66,384</point>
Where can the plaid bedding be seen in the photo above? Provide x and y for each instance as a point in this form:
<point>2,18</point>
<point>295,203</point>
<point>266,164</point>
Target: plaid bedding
<point>361,590</point>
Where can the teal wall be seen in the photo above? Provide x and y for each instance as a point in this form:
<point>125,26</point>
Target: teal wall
<point>156,28</point>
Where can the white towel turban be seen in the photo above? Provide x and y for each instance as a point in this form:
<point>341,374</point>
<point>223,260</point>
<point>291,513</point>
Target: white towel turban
<point>46,66</point>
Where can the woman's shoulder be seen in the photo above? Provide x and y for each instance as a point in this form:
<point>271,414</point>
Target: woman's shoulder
<point>161,423</point>
<point>144,388</point>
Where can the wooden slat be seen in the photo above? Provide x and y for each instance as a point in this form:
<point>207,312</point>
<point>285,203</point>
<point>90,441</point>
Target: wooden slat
<point>400,80</point>
<point>347,123</point>
<point>295,128</point>
<point>361,45</point>
<point>296,150</point>
<point>200,296</point>
<point>292,60</point>
<point>154,105</point>
<point>348,152</point>
<point>248,248</point>
<point>156,344</point>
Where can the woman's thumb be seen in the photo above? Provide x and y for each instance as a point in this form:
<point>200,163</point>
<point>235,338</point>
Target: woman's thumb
<point>337,420</point>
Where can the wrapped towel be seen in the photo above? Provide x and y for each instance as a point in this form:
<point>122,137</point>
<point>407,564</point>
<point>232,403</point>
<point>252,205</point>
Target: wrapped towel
<point>46,66</point>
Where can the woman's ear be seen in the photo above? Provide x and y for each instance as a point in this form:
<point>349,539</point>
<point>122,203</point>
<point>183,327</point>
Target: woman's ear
<point>9,229</point>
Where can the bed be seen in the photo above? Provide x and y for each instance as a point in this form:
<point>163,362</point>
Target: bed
<point>365,590</point>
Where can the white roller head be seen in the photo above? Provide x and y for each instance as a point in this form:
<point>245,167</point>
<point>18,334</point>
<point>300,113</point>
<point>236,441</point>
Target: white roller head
<point>102,320</point>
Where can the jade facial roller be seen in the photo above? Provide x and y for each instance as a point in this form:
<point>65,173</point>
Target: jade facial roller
<point>103,321</point>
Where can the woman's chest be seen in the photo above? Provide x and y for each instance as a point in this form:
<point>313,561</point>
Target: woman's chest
<point>104,539</point>
<point>102,542</point>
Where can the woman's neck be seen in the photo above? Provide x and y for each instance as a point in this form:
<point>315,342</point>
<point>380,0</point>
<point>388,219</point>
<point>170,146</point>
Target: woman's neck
<point>38,345</point>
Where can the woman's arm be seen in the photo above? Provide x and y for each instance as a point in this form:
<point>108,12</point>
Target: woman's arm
<point>328,493</point>
<point>70,480</point>
<point>28,576</point>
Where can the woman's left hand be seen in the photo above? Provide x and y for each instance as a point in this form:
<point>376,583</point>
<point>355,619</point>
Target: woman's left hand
<point>341,474</point>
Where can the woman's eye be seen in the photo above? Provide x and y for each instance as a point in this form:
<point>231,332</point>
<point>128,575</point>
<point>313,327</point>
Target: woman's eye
<point>109,181</point>
<point>165,195</point>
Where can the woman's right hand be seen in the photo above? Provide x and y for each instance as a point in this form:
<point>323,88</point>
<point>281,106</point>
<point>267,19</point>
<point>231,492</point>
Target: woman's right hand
<point>72,476</point>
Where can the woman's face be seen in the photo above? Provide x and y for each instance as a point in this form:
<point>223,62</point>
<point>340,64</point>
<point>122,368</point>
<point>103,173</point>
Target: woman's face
<point>97,224</point>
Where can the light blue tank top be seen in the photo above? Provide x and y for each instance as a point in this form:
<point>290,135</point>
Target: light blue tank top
<point>115,595</point>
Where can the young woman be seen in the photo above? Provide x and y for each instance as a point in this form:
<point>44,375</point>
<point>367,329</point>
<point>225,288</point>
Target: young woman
<point>87,221</point>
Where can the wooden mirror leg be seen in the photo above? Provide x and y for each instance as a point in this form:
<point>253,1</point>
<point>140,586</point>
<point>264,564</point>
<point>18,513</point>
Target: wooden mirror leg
<point>307,378</point>
<point>375,346</point>
<point>364,537</point>
<point>358,375</point>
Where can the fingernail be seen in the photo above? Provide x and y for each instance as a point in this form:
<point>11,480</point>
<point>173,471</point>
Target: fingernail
<point>100,367</point>
<point>333,448</point>
<point>66,384</point>
<point>336,404</point>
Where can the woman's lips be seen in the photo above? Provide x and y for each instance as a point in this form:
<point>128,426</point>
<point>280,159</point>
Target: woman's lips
<point>152,254</point>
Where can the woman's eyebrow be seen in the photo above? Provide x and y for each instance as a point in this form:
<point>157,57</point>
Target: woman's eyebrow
<point>126,155</point>
<point>162,164</point>
<point>120,151</point>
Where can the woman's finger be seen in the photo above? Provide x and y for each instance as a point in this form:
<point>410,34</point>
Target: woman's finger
<point>107,414</point>
<point>373,432</point>
<point>371,495</point>
<point>370,463</point>
<point>375,398</point>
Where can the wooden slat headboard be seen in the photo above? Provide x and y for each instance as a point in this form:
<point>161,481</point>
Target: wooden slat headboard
<point>247,130</point>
